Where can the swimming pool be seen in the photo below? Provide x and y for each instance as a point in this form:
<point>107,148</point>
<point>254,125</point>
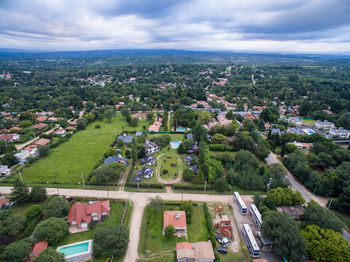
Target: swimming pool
<point>175,144</point>
<point>80,249</point>
<point>180,129</point>
<point>309,131</point>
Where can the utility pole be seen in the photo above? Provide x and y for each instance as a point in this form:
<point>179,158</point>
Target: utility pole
<point>205,185</point>
<point>330,203</point>
<point>82,178</point>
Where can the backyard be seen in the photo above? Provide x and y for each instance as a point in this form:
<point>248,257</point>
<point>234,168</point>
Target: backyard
<point>171,165</point>
<point>77,157</point>
<point>154,244</point>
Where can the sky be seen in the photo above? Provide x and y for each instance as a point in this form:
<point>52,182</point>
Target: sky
<point>278,26</point>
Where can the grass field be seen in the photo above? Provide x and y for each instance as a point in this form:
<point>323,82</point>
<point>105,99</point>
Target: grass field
<point>309,122</point>
<point>153,242</point>
<point>171,163</point>
<point>79,155</point>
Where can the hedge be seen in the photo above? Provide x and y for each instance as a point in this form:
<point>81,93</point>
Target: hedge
<point>145,185</point>
<point>189,187</point>
<point>220,147</point>
<point>209,225</point>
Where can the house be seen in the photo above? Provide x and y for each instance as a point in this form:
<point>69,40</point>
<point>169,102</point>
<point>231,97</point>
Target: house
<point>153,128</point>
<point>4,202</point>
<point>116,159</point>
<point>295,212</point>
<point>199,251</point>
<point>60,131</point>
<point>4,170</point>
<point>223,224</point>
<point>193,149</point>
<point>42,142</point>
<point>81,214</point>
<point>39,126</point>
<point>22,156</point>
<point>275,131</point>
<point>41,118</point>
<point>37,249</point>
<point>9,137</point>
<point>126,139</point>
<point>138,133</point>
<point>295,121</point>
<point>294,130</point>
<point>188,159</point>
<point>148,160</point>
<point>73,123</point>
<point>33,149</point>
<point>324,125</point>
<point>177,219</point>
<point>339,133</point>
<point>151,147</point>
<point>146,172</point>
<point>194,169</point>
<point>301,145</point>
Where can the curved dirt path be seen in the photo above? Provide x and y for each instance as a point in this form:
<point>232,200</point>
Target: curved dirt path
<point>159,165</point>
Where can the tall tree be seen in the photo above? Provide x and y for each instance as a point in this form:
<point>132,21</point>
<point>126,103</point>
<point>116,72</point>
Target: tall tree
<point>19,192</point>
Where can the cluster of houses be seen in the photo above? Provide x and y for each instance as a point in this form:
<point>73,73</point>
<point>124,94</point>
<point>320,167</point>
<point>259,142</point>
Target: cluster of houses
<point>157,124</point>
<point>31,150</point>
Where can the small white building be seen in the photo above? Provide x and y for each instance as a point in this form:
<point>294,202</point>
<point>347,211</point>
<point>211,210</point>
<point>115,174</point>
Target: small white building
<point>324,125</point>
<point>295,121</point>
<point>4,170</point>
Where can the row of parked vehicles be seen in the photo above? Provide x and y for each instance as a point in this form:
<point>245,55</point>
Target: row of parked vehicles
<point>224,244</point>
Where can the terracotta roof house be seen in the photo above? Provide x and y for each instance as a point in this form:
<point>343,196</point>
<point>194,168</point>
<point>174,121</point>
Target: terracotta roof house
<point>74,122</point>
<point>81,214</point>
<point>153,128</point>
<point>4,202</point>
<point>9,137</point>
<point>59,131</point>
<point>39,126</point>
<point>37,249</point>
<point>198,251</point>
<point>42,142</point>
<point>177,219</point>
<point>41,118</point>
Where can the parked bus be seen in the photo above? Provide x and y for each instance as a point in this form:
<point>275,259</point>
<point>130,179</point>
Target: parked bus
<point>241,205</point>
<point>250,241</point>
<point>255,215</point>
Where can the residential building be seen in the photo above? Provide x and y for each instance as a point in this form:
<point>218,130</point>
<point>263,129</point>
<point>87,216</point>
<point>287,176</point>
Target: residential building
<point>295,121</point>
<point>188,159</point>
<point>193,149</point>
<point>295,131</point>
<point>42,142</point>
<point>9,137</point>
<point>39,126</point>
<point>22,156</point>
<point>148,160</point>
<point>126,139</point>
<point>301,145</point>
<point>324,125</point>
<point>146,172</point>
<point>339,133</point>
<point>189,136</point>
<point>139,133</point>
<point>60,131</point>
<point>295,212</point>
<point>37,249</point>
<point>81,214</point>
<point>177,219</point>
<point>4,170</point>
<point>4,202</point>
<point>41,118</point>
<point>153,128</point>
<point>116,159</point>
<point>198,252</point>
<point>151,147</point>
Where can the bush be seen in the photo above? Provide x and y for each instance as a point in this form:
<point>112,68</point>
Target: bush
<point>220,147</point>
<point>220,185</point>
<point>56,207</point>
<point>50,255</point>
<point>188,186</point>
<point>43,151</point>
<point>209,225</point>
<point>18,251</point>
<point>165,171</point>
<point>38,194</point>
<point>52,230</point>
<point>188,174</point>
<point>146,185</point>
<point>169,232</point>
<point>97,126</point>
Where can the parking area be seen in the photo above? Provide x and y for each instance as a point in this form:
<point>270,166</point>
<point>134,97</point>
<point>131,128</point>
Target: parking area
<point>247,219</point>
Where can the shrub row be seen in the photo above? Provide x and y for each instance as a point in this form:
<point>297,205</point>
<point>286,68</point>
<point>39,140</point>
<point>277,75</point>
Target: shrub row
<point>209,225</point>
<point>188,187</point>
<point>145,185</point>
<point>220,147</point>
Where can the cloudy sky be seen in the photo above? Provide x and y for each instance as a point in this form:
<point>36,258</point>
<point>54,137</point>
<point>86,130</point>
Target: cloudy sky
<point>289,26</point>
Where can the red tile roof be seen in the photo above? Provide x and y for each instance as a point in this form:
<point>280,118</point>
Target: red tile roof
<point>196,251</point>
<point>42,142</point>
<point>30,147</point>
<point>39,126</point>
<point>6,137</point>
<point>174,218</point>
<point>82,211</point>
<point>39,247</point>
<point>4,201</point>
<point>41,118</point>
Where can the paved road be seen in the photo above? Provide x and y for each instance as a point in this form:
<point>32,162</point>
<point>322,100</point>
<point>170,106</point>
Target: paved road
<point>272,158</point>
<point>140,200</point>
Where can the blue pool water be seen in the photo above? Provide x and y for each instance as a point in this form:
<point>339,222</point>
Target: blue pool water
<point>75,249</point>
<point>175,144</point>
<point>181,129</point>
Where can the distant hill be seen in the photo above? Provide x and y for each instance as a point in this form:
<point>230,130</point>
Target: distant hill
<point>173,56</point>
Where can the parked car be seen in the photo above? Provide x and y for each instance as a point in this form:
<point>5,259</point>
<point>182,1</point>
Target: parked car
<point>225,242</point>
<point>222,250</point>
<point>218,238</point>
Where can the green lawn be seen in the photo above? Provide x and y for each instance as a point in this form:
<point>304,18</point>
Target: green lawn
<point>21,209</point>
<point>152,241</point>
<point>171,163</point>
<point>79,155</point>
<point>309,122</point>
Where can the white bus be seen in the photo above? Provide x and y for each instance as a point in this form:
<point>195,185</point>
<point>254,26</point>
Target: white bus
<point>250,241</point>
<point>254,211</point>
<point>241,205</point>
